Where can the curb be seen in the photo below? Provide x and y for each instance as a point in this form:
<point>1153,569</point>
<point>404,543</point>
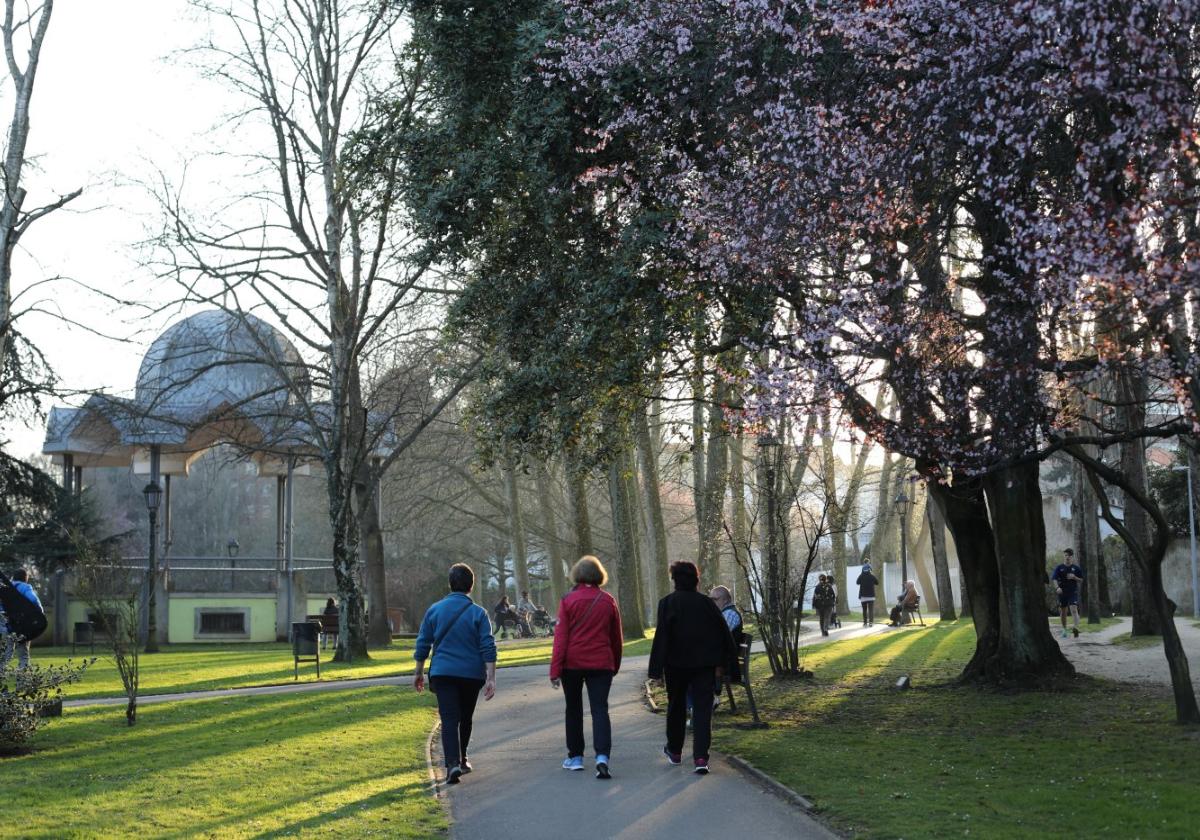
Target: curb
<point>771,783</point>
<point>436,789</point>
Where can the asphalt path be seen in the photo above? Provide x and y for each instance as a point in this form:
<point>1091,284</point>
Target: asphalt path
<point>519,789</point>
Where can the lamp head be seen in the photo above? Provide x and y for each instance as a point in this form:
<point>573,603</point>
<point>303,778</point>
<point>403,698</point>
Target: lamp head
<point>153,494</point>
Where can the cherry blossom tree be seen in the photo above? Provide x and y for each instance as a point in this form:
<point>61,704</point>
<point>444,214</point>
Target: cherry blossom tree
<point>936,191</point>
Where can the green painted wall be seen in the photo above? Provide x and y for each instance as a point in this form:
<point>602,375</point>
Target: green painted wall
<point>181,626</point>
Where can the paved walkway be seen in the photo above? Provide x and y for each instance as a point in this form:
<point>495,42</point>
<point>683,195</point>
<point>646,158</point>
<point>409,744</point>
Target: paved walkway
<point>519,790</point>
<point>1094,654</point>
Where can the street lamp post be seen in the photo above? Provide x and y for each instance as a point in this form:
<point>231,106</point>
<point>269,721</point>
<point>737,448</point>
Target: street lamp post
<point>153,494</point>
<point>232,548</point>
<point>902,506</point>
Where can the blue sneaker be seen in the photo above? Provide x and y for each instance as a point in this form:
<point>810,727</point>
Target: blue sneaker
<point>573,763</point>
<point>602,767</point>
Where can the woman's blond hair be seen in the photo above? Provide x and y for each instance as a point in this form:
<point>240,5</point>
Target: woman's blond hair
<point>589,569</point>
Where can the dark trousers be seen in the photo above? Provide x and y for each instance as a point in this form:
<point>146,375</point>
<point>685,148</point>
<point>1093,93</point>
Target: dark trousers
<point>456,698</point>
<point>825,613</point>
<point>598,683</point>
<point>699,683</point>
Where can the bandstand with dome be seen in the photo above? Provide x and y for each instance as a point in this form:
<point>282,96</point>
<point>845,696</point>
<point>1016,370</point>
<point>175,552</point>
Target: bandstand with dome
<point>214,378</point>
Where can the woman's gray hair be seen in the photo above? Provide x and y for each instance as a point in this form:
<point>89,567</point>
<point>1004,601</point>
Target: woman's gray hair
<point>589,569</point>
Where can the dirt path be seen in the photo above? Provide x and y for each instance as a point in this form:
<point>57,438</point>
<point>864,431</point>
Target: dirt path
<point>1094,654</point>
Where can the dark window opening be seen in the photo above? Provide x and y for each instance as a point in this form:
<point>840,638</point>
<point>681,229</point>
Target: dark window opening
<point>223,622</point>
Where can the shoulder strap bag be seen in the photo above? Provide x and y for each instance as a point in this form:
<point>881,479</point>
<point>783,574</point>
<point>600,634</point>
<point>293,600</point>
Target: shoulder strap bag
<point>441,637</point>
<point>575,625</point>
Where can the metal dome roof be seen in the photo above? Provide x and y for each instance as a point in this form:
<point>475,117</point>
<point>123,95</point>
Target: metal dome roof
<point>217,357</point>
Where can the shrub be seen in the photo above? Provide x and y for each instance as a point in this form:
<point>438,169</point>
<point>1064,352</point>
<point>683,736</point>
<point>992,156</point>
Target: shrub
<point>24,694</point>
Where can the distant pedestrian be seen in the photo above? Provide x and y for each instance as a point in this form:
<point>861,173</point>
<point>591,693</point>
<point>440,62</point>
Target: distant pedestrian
<point>587,652</point>
<point>458,634</point>
<point>723,598</point>
<point>824,601</point>
<point>14,641</point>
<point>866,594</point>
<point>691,648</point>
<point>1066,577</point>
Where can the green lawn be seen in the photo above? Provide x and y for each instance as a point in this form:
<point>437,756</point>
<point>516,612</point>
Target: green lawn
<point>1131,642</point>
<point>1094,759</point>
<point>342,764</point>
<point>179,668</point>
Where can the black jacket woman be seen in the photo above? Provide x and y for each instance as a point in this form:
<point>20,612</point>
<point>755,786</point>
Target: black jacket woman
<point>866,594</point>
<point>692,645</point>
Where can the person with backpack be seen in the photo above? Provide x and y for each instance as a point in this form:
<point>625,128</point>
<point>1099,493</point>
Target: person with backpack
<point>691,649</point>
<point>587,652</point>
<point>19,623</point>
<point>458,634</point>
<point>824,600</point>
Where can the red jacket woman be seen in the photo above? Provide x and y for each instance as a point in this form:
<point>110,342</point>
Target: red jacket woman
<point>587,636</point>
<point>587,651</point>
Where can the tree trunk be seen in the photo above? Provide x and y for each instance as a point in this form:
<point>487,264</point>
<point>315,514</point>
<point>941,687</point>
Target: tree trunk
<point>965,512</point>
<point>554,559</point>
<point>659,558</point>
<point>352,637</point>
<point>516,528</point>
<point>742,590</point>
<point>580,519</point>
<point>698,465</point>
<point>633,509</point>
<point>371,539</point>
<point>837,516</point>
<point>1086,531</point>
<point>1131,413</point>
<point>627,595</point>
<point>716,476</point>
<point>1026,650</point>
<point>1186,710</point>
<point>941,564</point>
<point>964,608</point>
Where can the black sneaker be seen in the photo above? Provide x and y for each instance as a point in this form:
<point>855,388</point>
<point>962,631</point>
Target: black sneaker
<point>1075,630</point>
<point>453,775</point>
<point>465,766</point>
<point>672,758</point>
<point>602,770</point>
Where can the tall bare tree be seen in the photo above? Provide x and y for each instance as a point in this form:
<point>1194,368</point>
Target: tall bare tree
<point>320,250</point>
<point>22,369</point>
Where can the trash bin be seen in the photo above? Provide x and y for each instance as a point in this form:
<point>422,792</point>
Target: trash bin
<point>305,636</point>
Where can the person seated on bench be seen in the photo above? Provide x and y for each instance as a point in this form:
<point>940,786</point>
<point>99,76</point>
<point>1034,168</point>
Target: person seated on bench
<point>329,618</point>
<point>505,615</point>
<point>907,601</point>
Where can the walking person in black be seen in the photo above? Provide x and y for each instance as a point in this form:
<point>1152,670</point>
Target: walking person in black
<point>824,600</point>
<point>692,646</point>
<point>866,594</point>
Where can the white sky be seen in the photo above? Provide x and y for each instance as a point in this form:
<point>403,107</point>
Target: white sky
<point>112,103</point>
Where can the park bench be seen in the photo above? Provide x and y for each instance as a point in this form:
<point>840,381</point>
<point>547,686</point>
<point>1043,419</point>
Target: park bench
<point>329,627</point>
<point>909,612</point>
<point>744,662</point>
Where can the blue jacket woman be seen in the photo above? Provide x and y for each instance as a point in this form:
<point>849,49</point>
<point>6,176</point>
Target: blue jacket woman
<point>459,635</point>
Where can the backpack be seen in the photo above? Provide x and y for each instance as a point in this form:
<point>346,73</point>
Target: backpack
<point>23,617</point>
